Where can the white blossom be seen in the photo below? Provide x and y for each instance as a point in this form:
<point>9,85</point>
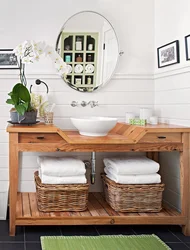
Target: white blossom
<point>30,51</point>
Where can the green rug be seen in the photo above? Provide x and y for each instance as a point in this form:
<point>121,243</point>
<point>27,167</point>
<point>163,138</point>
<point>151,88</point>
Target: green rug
<point>110,242</point>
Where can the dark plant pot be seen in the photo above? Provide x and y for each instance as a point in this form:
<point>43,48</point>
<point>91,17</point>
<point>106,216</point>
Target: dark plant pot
<point>28,117</point>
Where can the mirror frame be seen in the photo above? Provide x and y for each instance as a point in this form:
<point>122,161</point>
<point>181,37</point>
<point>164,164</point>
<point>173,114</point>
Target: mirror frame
<point>120,53</point>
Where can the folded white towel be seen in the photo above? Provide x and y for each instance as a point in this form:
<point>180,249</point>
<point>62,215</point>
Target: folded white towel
<point>131,165</point>
<point>61,166</point>
<point>46,179</point>
<point>135,179</point>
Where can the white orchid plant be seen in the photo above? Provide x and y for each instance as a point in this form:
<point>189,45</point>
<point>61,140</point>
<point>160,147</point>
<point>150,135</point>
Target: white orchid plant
<point>31,51</point>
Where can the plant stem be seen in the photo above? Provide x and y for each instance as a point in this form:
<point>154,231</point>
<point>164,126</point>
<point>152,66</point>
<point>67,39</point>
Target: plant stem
<point>22,74</point>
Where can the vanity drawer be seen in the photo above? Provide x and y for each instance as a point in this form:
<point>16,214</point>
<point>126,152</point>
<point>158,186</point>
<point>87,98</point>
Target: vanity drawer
<point>161,137</point>
<point>39,138</point>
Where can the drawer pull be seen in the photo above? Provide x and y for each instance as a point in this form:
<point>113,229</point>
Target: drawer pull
<point>40,137</point>
<point>161,137</point>
<point>112,221</point>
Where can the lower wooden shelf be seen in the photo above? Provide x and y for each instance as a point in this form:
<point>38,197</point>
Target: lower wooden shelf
<point>98,212</point>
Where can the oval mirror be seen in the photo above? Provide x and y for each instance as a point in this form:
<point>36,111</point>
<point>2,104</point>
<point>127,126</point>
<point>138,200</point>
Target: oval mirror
<point>88,44</point>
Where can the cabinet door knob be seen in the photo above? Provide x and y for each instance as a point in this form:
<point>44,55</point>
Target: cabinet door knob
<point>161,137</point>
<point>40,137</point>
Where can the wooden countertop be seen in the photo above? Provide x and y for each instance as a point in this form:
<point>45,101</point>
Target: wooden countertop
<point>41,127</point>
<point>122,133</point>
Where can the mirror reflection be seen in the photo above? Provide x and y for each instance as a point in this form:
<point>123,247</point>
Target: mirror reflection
<point>89,46</point>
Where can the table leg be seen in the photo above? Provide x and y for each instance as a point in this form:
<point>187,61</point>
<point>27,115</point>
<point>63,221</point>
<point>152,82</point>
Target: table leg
<point>184,182</point>
<point>13,180</point>
<point>153,156</point>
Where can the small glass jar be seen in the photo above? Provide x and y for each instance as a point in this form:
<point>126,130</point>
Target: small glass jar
<point>78,44</point>
<point>78,81</point>
<point>67,47</point>
<point>90,46</point>
<point>89,58</point>
<point>48,118</point>
<point>79,58</point>
<point>67,58</point>
<point>89,80</point>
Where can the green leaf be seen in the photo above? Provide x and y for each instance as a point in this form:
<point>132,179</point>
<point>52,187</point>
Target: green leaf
<point>20,109</point>
<point>16,87</point>
<point>10,101</point>
<point>26,104</point>
<point>22,92</point>
<point>15,98</point>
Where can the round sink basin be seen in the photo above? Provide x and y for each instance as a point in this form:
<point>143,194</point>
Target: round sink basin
<point>94,126</point>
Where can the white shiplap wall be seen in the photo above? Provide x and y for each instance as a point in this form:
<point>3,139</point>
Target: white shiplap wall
<point>172,104</point>
<point>132,86</point>
<point>172,85</point>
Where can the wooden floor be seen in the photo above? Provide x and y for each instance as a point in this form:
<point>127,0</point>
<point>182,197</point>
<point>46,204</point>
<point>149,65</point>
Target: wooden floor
<point>98,212</point>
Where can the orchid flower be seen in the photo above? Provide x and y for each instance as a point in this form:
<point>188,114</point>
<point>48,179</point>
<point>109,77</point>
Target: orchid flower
<point>31,51</point>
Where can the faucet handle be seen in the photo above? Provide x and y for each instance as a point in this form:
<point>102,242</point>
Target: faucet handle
<point>74,104</point>
<point>93,103</point>
<point>84,104</point>
<point>96,103</point>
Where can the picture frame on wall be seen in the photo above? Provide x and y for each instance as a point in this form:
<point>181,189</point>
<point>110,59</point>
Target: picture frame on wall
<point>8,59</point>
<point>168,54</point>
<point>187,47</point>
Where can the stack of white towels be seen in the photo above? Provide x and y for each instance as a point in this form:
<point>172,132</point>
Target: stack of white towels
<point>61,170</point>
<point>132,170</point>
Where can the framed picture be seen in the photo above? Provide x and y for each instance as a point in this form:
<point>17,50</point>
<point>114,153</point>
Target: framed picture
<point>8,59</point>
<point>168,54</point>
<point>187,47</point>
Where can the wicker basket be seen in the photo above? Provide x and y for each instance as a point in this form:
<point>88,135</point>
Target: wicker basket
<point>133,198</point>
<point>61,197</point>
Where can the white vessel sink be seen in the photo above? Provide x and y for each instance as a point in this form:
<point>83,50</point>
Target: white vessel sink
<point>94,126</point>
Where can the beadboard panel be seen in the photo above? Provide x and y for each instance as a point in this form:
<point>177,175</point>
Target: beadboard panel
<point>4,174</point>
<point>4,149</point>
<point>107,98</point>
<point>174,82</point>
<point>26,186</point>
<point>4,161</point>
<point>176,71</point>
<point>101,110</point>
<point>62,111</point>
<point>170,164</point>
<point>172,182</point>
<point>4,135</point>
<point>126,84</point>
<point>173,97</point>
<point>172,198</point>
<point>170,172</point>
<point>103,98</point>
<point>178,112</point>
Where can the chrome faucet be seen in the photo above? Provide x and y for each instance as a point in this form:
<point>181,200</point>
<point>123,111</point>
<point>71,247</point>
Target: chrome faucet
<point>93,103</point>
<point>74,104</point>
<point>84,104</point>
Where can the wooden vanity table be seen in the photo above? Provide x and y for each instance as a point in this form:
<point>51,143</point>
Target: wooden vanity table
<point>123,138</point>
